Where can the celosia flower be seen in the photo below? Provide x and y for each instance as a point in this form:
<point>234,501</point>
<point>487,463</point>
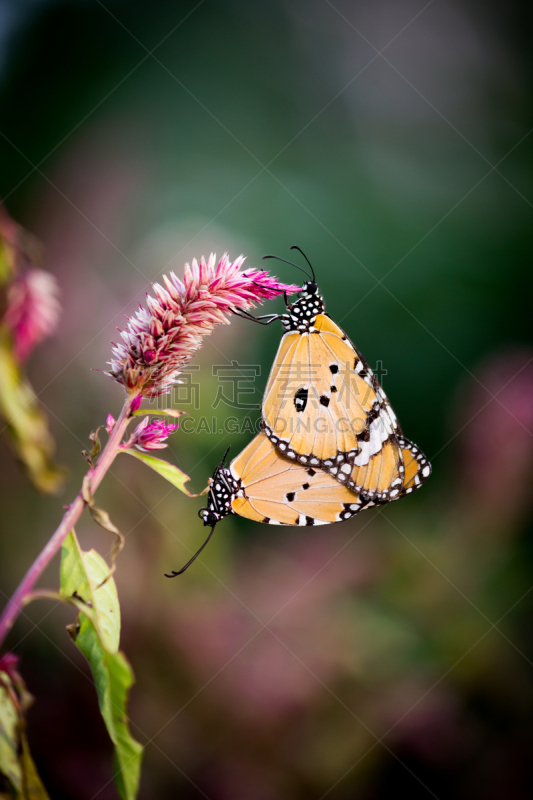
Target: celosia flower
<point>110,423</point>
<point>159,340</point>
<point>32,310</point>
<point>151,435</point>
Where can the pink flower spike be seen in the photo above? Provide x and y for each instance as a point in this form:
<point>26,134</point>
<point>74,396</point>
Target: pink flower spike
<point>162,338</point>
<point>110,423</point>
<point>32,310</point>
<point>151,435</point>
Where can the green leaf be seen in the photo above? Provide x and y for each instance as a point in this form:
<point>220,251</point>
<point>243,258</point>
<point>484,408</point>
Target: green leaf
<point>83,577</point>
<point>9,762</point>
<point>33,786</point>
<point>17,768</point>
<point>26,424</point>
<point>113,677</point>
<point>166,412</point>
<point>172,474</point>
<point>86,581</point>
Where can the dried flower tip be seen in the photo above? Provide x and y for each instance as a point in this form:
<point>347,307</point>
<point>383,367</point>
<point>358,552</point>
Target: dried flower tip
<point>32,310</point>
<point>151,435</point>
<point>158,341</point>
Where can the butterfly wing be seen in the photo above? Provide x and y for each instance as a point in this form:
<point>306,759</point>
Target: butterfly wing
<point>417,467</point>
<point>324,407</point>
<point>281,492</point>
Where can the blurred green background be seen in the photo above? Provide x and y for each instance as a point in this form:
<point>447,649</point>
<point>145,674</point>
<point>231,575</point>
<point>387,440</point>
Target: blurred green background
<point>392,142</point>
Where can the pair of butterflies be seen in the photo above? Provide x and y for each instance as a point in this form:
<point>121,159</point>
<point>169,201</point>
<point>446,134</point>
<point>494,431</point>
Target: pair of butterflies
<point>330,443</point>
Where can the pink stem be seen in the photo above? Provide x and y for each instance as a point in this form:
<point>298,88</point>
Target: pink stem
<point>72,515</point>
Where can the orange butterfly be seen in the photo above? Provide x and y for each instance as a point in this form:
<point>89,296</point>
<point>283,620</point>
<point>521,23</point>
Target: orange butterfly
<point>264,486</point>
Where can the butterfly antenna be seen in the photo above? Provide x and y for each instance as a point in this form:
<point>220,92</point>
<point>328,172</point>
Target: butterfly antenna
<point>175,573</point>
<point>224,457</point>
<point>270,289</point>
<point>295,247</point>
<point>291,263</point>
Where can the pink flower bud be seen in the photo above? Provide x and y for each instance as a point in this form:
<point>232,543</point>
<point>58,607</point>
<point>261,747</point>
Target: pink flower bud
<point>151,435</point>
<point>136,403</point>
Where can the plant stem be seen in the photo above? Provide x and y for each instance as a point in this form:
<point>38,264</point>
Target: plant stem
<point>70,518</point>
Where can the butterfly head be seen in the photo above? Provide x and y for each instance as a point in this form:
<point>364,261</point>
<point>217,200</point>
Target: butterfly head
<point>301,315</point>
<point>310,288</point>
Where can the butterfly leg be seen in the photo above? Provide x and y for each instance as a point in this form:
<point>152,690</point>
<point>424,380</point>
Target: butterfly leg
<point>260,320</point>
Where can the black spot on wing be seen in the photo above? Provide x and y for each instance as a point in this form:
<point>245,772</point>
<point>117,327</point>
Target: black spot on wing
<point>266,519</point>
<point>309,520</point>
<point>305,486</point>
<point>311,472</point>
<point>300,400</point>
<point>333,368</point>
<point>290,496</point>
<point>324,401</point>
<point>333,388</point>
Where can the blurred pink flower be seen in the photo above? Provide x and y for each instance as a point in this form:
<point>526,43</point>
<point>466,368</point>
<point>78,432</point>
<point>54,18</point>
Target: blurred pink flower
<point>151,435</point>
<point>160,340</point>
<point>32,310</point>
<point>497,444</point>
<point>110,423</point>
<point>8,664</point>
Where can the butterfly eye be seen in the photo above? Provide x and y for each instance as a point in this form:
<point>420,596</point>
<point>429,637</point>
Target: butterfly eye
<point>208,516</point>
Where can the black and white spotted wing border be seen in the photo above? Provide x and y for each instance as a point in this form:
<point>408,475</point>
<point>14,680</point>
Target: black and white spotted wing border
<point>424,467</point>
